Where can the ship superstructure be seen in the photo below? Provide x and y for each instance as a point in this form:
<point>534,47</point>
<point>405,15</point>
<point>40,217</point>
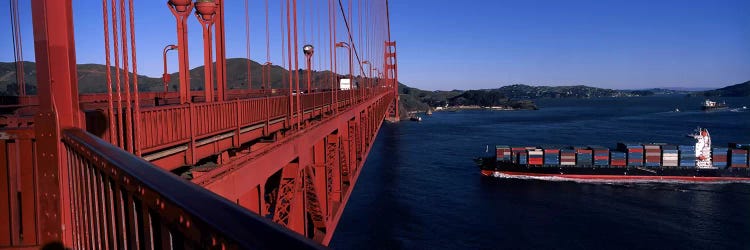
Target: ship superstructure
<point>702,148</point>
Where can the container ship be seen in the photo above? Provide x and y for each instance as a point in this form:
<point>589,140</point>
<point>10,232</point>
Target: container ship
<point>627,162</point>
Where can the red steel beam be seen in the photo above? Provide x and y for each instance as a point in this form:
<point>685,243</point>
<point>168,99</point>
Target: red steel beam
<point>321,194</point>
<point>221,57</point>
<point>58,108</point>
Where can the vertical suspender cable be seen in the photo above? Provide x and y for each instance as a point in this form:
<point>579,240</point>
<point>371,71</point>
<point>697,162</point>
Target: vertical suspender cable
<point>283,44</point>
<point>332,54</point>
<point>289,55</point>
<point>247,45</point>
<point>350,36</point>
<point>17,47</point>
<point>137,104</point>
<point>108,75</point>
<point>125,66</point>
<point>296,65</point>
<point>267,74</point>
<point>121,140</point>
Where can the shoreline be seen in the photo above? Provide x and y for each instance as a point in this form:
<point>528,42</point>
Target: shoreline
<point>459,108</point>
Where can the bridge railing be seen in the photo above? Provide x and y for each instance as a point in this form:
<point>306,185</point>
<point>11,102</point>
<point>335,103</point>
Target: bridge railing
<point>121,201</point>
<point>164,126</point>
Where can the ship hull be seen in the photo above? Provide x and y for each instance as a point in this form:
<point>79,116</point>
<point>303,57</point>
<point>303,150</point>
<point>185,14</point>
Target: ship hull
<point>715,108</point>
<point>616,173</point>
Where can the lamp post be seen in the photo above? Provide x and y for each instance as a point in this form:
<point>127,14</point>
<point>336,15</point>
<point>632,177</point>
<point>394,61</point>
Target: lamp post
<point>308,50</point>
<point>374,85</point>
<point>266,84</point>
<point>165,78</point>
<point>204,12</point>
<point>181,9</point>
<point>369,71</point>
<point>351,80</point>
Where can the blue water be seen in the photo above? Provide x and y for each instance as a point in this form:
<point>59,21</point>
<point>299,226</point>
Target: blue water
<point>419,188</point>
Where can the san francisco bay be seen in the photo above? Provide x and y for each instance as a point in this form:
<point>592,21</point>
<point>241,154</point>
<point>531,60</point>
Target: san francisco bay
<point>419,188</point>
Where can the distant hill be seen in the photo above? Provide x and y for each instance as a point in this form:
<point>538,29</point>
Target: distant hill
<point>737,90</point>
<point>521,91</point>
<point>414,99</point>
<point>92,77</point>
<point>663,91</point>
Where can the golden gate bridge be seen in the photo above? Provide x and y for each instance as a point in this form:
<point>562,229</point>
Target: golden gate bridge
<point>268,165</point>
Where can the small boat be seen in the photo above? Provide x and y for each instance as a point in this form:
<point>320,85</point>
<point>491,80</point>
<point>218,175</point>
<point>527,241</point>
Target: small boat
<point>429,112</point>
<point>415,118</point>
<point>677,110</point>
<point>709,105</point>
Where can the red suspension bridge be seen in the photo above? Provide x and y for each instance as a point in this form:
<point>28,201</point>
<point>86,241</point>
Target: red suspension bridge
<point>267,165</point>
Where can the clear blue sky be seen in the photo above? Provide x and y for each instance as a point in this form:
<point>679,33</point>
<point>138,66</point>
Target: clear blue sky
<point>487,44</point>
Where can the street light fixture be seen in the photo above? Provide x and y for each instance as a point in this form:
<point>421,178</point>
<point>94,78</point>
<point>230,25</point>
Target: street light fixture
<point>308,50</point>
<point>165,78</point>
<point>351,78</point>
<point>369,71</point>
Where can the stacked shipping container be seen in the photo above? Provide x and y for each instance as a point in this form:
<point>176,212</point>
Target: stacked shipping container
<point>551,156</point>
<point>618,159</point>
<point>687,155</point>
<point>653,155</point>
<point>635,153</point>
<point>502,152</point>
<point>567,157</point>
<point>601,155</point>
<point>518,155</point>
<point>670,156</point>
<point>584,157</point>
<point>719,157</point>
<point>738,158</point>
<point>536,156</point>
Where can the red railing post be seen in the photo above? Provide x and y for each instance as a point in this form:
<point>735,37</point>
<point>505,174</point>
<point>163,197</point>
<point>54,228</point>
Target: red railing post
<point>237,117</point>
<point>191,155</point>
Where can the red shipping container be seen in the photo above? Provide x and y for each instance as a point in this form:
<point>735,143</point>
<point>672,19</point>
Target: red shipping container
<point>535,161</point>
<point>601,157</point>
<point>635,150</point>
<point>583,151</point>
<point>617,163</point>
